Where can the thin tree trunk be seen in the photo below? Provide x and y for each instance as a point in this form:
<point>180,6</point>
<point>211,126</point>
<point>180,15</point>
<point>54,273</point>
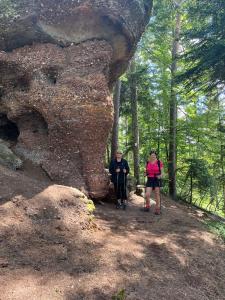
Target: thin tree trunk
<point>115,129</point>
<point>191,198</point>
<point>135,129</point>
<point>158,133</point>
<point>173,112</point>
<point>127,131</point>
<point>222,152</point>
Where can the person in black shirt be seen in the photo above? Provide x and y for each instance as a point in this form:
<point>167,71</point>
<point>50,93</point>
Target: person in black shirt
<point>119,169</point>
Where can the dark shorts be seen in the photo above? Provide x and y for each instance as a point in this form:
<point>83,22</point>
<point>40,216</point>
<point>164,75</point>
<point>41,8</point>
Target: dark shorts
<point>153,182</point>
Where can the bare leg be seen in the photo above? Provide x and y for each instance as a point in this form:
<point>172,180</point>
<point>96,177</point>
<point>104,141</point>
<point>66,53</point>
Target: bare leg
<point>148,195</point>
<point>157,198</point>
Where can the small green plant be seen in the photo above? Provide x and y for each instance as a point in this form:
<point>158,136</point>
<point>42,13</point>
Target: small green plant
<point>90,206</point>
<point>216,227</point>
<point>120,295</point>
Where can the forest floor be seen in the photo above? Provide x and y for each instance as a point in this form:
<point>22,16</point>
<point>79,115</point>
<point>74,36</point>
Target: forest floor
<point>51,248</point>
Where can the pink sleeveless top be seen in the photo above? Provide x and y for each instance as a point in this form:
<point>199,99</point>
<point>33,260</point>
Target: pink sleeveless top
<point>152,169</point>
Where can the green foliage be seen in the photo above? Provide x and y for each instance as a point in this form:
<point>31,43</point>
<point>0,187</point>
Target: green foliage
<point>199,171</point>
<point>201,115</point>
<point>216,227</point>
<point>205,44</point>
<point>121,295</point>
<point>153,78</point>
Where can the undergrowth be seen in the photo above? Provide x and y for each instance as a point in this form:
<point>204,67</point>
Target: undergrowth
<point>216,227</point>
<point>120,295</point>
<point>90,206</point>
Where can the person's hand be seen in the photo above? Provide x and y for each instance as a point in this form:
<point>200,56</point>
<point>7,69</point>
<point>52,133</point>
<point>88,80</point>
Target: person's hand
<point>124,171</point>
<point>118,170</point>
<point>159,176</point>
<point>145,173</point>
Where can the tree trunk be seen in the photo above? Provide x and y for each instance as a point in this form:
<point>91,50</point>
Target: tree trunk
<point>135,129</point>
<point>173,112</point>
<point>191,186</point>
<point>115,129</point>
<point>223,173</point>
<point>222,153</point>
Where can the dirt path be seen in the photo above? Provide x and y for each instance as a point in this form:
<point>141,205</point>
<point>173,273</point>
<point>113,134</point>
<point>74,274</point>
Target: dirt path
<point>166,257</point>
<point>53,256</point>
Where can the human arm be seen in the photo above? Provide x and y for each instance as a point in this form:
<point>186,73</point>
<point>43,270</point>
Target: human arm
<point>126,168</point>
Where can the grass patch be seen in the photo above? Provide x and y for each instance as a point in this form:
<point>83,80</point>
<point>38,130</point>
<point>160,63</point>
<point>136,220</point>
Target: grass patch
<point>121,295</point>
<point>216,227</point>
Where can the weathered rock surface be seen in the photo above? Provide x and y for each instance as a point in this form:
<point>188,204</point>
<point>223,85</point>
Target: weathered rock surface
<point>119,22</point>
<point>8,158</point>
<point>58,63</point>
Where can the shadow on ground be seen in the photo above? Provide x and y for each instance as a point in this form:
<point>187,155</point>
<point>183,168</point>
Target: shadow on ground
<point>52,248</point>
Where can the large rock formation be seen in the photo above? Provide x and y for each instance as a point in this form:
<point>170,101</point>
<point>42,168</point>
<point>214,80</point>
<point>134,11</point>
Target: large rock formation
<point>58,62</point>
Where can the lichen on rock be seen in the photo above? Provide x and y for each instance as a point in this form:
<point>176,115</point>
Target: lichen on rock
<point>8,9</point>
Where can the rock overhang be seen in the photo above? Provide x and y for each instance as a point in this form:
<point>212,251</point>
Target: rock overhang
<point>66,22</point>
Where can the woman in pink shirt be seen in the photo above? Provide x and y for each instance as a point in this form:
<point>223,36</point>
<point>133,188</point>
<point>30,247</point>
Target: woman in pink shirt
<point>154,174</point>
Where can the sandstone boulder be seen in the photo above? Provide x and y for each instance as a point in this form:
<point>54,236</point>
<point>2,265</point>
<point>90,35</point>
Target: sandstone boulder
<point>58,63</point>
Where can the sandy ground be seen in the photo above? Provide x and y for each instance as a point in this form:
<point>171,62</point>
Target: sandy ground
<point>50,248</point>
